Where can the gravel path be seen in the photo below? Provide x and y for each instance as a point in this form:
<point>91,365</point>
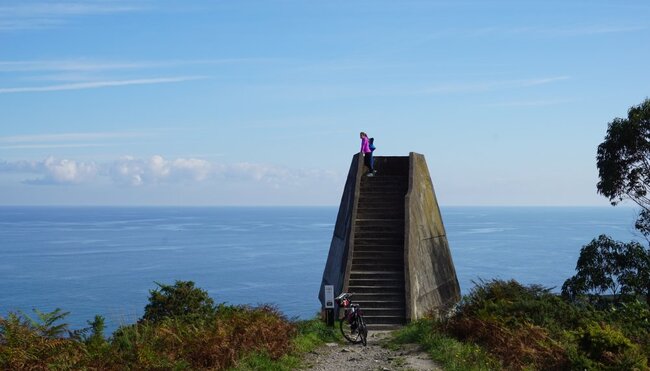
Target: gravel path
<point>333,356</point>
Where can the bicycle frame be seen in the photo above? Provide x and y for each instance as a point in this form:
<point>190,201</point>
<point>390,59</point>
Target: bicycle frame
<point>355,331</point>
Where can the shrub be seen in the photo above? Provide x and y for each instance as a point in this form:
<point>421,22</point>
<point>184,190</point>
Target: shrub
<point>26,344</point>
<point>217,343</point>
<point>607,348</point>
<point>516,347</point>
<point>529,327</point>
<point>513,304</point>
<point>181,300</point>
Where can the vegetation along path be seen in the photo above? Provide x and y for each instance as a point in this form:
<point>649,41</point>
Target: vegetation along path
<point>375,356</point>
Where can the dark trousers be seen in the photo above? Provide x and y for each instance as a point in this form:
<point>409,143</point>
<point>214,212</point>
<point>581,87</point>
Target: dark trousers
<point>369,161</point>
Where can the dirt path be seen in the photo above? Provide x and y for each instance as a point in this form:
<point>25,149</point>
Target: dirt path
<point>333,356</point>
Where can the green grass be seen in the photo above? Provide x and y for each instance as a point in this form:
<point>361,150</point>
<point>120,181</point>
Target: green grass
<point>451,354</point>
<point>310,335</point>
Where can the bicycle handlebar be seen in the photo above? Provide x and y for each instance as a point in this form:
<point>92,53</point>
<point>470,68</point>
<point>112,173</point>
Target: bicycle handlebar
<point>344,295</point>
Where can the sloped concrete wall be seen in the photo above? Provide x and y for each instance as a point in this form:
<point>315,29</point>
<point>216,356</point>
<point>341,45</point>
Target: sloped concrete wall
<point>431,282</point>
<point>337,259</point>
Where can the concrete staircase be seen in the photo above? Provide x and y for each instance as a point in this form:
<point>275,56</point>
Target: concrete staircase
<point>377,271</point>
<point>389,247</point>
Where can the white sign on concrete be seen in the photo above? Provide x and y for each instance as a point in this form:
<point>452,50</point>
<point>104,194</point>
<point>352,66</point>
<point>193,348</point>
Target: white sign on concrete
<point>329,296</point>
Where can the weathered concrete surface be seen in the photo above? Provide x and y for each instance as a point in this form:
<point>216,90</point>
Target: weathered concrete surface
<point>337,259</point>
<point>431,282</point>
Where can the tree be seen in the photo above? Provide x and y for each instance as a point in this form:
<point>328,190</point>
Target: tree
<point>606,266</point>
<point>182,300</point>
<point>623,161</point>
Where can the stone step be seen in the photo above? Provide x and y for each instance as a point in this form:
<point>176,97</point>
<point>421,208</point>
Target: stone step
<point>397,241</point>
<point>375,245</point>
<point>376,274</point>
<point>385,181</point>
<point>385,203</point>
<point>378,254</point>
<point>378,202</point>
<point>397,282</point>
<point>377,289</point>
<point>378,227</point>
<point>381,214</point>
<point>374,312</point>
<point>382,206</point>
<point>379,222</point>
<point>377,267</point>
<point>392,249</point>
<point>367,257</point>
<point>362,222</point>
<point>397,249</point>
<point>384,320</point>
<point>389,304</point>
<point>383,262</point>
<point>374,297</point>
<point>384,327</point>
<point>381,194</point>
<point>369,297</point>
<point>384,178</point>
<point>384,188</point>
<point>377,235</point>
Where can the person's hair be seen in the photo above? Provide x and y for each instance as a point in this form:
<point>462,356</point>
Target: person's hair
<point>363,134</point>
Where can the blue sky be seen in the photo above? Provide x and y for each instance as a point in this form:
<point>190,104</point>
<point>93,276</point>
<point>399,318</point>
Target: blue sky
<point>261,102</point>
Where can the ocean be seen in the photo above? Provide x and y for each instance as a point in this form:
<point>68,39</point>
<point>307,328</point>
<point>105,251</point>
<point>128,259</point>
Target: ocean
<point>104,260</point>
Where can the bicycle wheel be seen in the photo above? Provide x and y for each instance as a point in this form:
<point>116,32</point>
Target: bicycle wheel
<point>353,336</point>
<point>363,330</point>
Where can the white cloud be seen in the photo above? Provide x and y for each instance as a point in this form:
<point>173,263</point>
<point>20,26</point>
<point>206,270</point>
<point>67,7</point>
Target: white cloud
<point>54,171</point>
<point>197,169</point>
<point>67,137</point>
<point>23,15</point>
<point>20,166</point>
<point>91,65</point>
<point>545,31</point>
<point>69,171</point>
<point>529,103</point>
<point>482,86</point>
<point>98,84</point>
<point>155,170</point>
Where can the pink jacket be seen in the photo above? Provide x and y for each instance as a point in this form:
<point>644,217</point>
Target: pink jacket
<point>365,146</point>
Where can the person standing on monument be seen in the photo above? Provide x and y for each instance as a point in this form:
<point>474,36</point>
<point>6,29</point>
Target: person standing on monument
<point>367,153</point>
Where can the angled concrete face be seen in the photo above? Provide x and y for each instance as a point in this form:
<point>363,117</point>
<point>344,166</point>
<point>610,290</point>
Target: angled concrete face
<point>337,259</point>
<point>431,282</point>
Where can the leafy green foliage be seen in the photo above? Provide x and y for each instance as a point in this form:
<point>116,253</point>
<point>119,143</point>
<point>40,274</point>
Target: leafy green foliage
<point>182,300</point>
<point>44,324</point>
<point>623,158</point>
<point>528,327</point>
<point>27,344</point>
<point>612,267</point>
<point>192,339</point>
<point>519,305</point>
<point>643,223</point>
<point>599,346</point>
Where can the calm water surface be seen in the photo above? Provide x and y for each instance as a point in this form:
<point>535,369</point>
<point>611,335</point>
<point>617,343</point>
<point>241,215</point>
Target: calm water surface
<point>102,260</point>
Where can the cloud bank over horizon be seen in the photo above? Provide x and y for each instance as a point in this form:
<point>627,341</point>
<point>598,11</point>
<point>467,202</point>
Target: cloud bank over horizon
<point>135,172</point>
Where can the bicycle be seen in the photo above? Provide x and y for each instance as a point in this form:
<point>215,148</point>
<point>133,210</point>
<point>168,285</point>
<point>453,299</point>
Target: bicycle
<point>353,326</point>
